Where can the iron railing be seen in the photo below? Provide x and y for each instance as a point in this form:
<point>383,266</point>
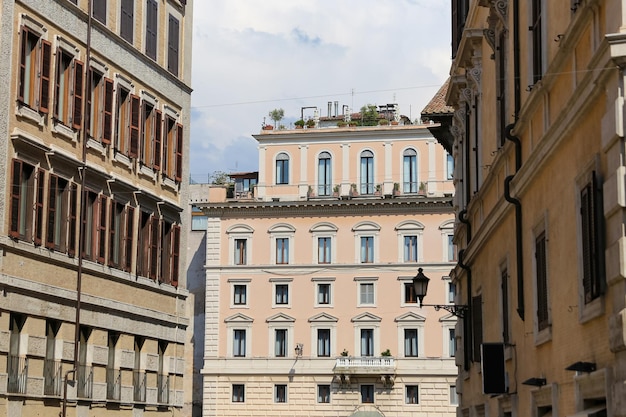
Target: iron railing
<point>163,386</point>
<point>52,379</point>
<point>114,384</point>
<point>17,368</point>
<point>139,386</point>
<point>84,381</point>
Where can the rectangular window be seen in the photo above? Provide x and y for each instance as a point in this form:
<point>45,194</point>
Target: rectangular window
<point>366,293</point>
<point>169,253</point>
<point>280,393</point>
<point>173,35</point>
<point>282,169</point>
<point>412,394</point>
<point>240,294</point>
<point>323,343</point>
<point>100,104</point>
<point>239,393</point>
<point>452,342</point>
<point>282,250</point>
<point>454,399</point>
<point>172,149</point>
<point>367,394</point>
<point>282,294</point>
<point>323,293</point>
<point>65,87</point>
<point>323,394</point>
<point>152,17</point>
<point>537,40</point>
<point>367,249</point>
<point>143,247</point>
<point>409,293</point>
<point>410,343</point>
<point>449,166</point>
<point>451,255</point>
<point>542,282</point>
<point>148,132</point>
<point>240,252</point>
<point>22,199</point>
<point>116,233</point>
<point>477,326</point>
<point>410,249</point>
<point>39,197</point>
<point>367,342</point>
<point>504,290</point>
<point>58,213</point>
<point>280,343</point>
<point>591,237</point>
<point>127,19</point>
<point>239,343</point>
<point>99,10</point>
<point>451,292</point>
<point>323,250</point>
<point>34,76</point>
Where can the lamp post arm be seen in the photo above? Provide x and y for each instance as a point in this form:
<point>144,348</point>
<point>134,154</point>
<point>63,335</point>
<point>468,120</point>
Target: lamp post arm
<point>457,310</point>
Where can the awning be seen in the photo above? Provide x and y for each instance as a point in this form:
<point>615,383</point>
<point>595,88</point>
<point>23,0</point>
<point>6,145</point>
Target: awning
<point>597,411</point>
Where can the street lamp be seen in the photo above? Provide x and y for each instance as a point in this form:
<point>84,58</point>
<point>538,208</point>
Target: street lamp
<point>420,285</point>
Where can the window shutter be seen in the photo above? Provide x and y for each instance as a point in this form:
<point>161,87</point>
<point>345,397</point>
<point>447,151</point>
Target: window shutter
<point>57,85</point>
<point>78,94</point>
<point>107,131</point>
<point>175,254</point>
<point>151,29</point>
<point>88,94</point>
<point>44,82</point>
<point>134,125</point>
<point>23,46</point>
<point>129,237</point>
<point>179,152</point>
<point>16,190</point>
<point>112,237</point>
<point>154,246</point>
<point>126,20</point>
<point>172,45</point>
<point>102,225</point>
<point>99,8</point>
<point>41,175</point>
<point>542,284</point>
<point>52,203</point>
<point>158,131</point>
<point>71,247</point>
<point>477,326</point>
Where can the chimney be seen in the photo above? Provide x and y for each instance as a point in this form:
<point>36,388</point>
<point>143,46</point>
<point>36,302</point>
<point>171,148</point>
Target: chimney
<point>336,108</point>
<point>330,108</point>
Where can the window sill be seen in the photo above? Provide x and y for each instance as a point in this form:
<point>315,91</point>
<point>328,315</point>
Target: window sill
<point>592,310</point>
<point>146,171</point>
<point>26,112</point>
<point>543,336</point>
<point>65,131</point>
<point>170,183</point>
<point>123,159</point>
<point>97,146</point>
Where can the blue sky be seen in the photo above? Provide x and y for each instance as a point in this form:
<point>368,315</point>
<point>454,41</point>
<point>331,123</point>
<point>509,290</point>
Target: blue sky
<point>252,56</point>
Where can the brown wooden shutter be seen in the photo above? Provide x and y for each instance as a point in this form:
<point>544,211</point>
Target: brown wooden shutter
<point>102,226</point>
<point>99,8</point>
<point>154,246</point>
<point>542,283</point>
<point>158,132</point>
<point>179,152</point>
<point>16,190</point>
<point>126,20</point>
<point>78,94</point>
<point>23,75</point>
<point>44,82</point>
<point>112,212</point>
<point>107,130</point>
<point>135,113</point>
<point>129,238</point>
<point>175,254</point>
<point>172,45</point>
<point>52,204</point>
<point>71,247</point>
<point>57,85</point>
<point>37,238</point>
<point>151,29</point>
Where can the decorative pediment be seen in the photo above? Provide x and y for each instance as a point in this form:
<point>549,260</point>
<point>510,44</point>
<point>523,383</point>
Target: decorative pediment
<point>409,317</point>
<point>366,226</point>
<point>323,318</point>
<point>280,318</point>
<point>366,318</point>
<point>448,318</point>
<point>323,227</point>
<point>240,228</point>
<point>282,228</point>
<point>238,318</point>
<point>410,225</point>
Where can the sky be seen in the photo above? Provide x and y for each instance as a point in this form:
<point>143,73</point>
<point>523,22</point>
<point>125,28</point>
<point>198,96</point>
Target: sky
<point>253,56</point>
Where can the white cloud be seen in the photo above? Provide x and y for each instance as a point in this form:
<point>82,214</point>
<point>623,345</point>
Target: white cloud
<point>250,57</point>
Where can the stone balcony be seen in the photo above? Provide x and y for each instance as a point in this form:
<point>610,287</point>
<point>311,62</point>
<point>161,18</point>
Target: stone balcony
<point>382,365</point>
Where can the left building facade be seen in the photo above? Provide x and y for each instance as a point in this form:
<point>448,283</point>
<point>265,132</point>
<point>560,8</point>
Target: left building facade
<point>94,128</point>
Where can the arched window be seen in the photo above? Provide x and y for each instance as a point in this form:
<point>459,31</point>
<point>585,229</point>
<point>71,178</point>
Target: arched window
<point>282,168</point>
<point>409,171</point>
<point>367,172</point>
<point>324,174</point>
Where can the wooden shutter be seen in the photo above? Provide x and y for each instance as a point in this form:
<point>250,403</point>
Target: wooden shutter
<point>172,45</point>
<point>151,29</point>
<point>179,152</point>
<point>23,75</point>
<point>102,226</point>
<point>107,130</point>
<point>41,175</point>
<point>78,94</point>
<point>477,326</point>
<point>99,8</point>
<point>112,212</point>
<point>44,82</point>
<point>16,190</point>
<point>158,132</point>
<point>135,113</point>
<point>175,248</point>
<point>154,246</point>
<point>57,85</point>
<point>542,283</point>
<point>126,20</point>
<point>52,204</point>
<point>71,247</point>
<point>129,238</point>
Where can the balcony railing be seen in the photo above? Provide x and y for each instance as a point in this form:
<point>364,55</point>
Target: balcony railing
<point>17,368</point>
<point>163,384</point>
<point>365,364</point>
<point>114,384</point>
<point>139,386</point>
<point>84,381</point>
<point>53,381</point>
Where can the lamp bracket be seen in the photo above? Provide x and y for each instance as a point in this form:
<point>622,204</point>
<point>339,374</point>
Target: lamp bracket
<point>457,310</point>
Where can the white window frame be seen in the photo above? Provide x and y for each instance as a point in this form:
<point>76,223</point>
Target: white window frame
<point>281,281</point>
<point>290,167</point>
<point>282,231</point>
<point>406,395</point>
<point>323,321</point>
<point>276,394</point>
<point>239,231</point>
<point>238,322</point>
<point>447,231</point>
<point>448,323</point>
<point>324,229</point>
<point>410,228</point>
<point>277,322</point>
<point>239,281</point>
<point>316,283</point>
<point>411,321</point>
<point>366,321</point>
<point>318,394</point>
<point>403,281</point>
<point>366,229</point>
<point>365,280</point>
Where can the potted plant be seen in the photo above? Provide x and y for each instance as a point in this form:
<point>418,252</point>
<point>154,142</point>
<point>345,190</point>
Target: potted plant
<point>396,188</point>
<point>383,122</point>
<point>268,127</point>
<point>342,123</point>
<point>385,353</point>
<point>377,189</point>
<point>344,353</point>
<point>336,191</point>
<point>353,190</point>
<point>422,189</point>
<point>276,115</point>
<point>299,124</point>
<point>310,123</point>
<point>352,124</point>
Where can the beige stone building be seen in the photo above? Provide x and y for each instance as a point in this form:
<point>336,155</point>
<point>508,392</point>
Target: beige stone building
<point>310,309</point>
<point>538,140</point>
<point>94,122</point>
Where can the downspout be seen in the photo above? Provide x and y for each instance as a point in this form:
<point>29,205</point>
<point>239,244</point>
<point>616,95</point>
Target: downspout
<point>467,318</point>
<point>516,66</point>
<point>463,219</point>
<point>467,178</point>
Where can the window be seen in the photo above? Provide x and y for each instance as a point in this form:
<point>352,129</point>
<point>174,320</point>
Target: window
<point>240,252</point>
<point>52,367</point>
<point>367,342</point>
<point>99,10</point>
<point>411,394</point>
<point>451,248</point>
<point>323,293</point>
<point>543,320</point>
<point>409,293</point>
<point>22,199</point>
<point>591,218</point>
<point>238,393</point>
<point>169,254</point>
<point>282,168</point>
<point>172,150</point>
<point>17,366</point>
<point>127,19</point>
<point>240,294</point>
<point>239,343</point>
<point>477,326</point>
<point>410,343</point>
<point>199,221</point>
<point>323,343</point>
<point>410,248</point>
<point>366,293</point>
<point>35,57</point>
<point>150,150</point>
<point>504,296</point>
<point>280,393</point>
<point>449,166</point>
<point>94,247</point>
<point>282,250</point>
<point>367,172</point>
<point>367,249</point>
<point>452,342</point>
<point>100,104</point>
<point>121,228</point>
<point>68,89</point>
<point>367,394</point>
<point>58,213</point>
<point>324,177</point>
<point>152,17</point>
<point>409,171</point>
<point>173,35</point>
<point>323,394</point>
<point>114,376</point>
<point>323,250</point>
<point>280,343</point>
<point>451,292</point>
<point>282,293</point>
<point>536,28</point>
<point>454,399</point>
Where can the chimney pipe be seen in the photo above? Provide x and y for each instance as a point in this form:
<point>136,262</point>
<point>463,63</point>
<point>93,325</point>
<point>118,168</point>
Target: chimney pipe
<point>336,108</point>
<point>330,108</point>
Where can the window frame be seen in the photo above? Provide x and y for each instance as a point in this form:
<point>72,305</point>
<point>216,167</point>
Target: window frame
<point>324,174</point>
<point>363,283</point>
<point>541,284</point>
<point>367,172</point>
<point>127,20</point>
<point>280,393</point>
<point>323,396</point>
<point>281,167</point>
<point>370,389</point>
<point>410,172</point>
<point>238,393</point>
<point>411,394</point>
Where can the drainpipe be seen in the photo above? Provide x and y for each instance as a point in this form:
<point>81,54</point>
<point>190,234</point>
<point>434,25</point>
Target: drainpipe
<point>463,219</point>
<point>467,318</point>
<point>516,59</point>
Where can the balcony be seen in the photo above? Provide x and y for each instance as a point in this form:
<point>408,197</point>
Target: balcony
<point>17,368</point>
<point>139,386</point>
<point>362,365</point>
<point>114,384</point>
<point>84,381</point>
<point>53,381</point>
<point>163,386</point>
